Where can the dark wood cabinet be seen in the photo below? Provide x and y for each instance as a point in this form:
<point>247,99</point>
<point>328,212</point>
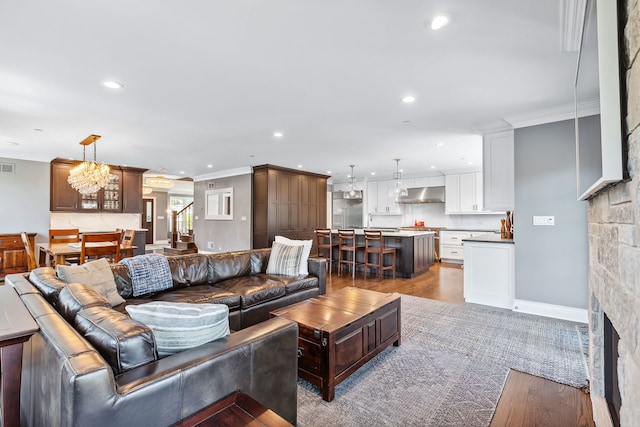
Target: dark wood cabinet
<point>123,193</point>
<point>13,258</point>
<point>287,202</point>
<point>132,197</point>
<point>63,197</point>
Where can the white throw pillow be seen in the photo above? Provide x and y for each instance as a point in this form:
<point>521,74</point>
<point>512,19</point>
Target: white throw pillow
<point>179,326</point>
<point>95,273</point>
<point>284,259</point>
<point>306,250</point>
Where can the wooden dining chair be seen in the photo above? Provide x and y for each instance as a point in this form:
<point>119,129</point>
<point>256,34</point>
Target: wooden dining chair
<point>101,245</point>
<point>64,235</point>
<point>28,248</point>
<point>127,238</point>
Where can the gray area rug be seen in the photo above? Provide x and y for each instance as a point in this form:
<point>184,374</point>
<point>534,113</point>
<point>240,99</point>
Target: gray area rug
<point>450,368</point>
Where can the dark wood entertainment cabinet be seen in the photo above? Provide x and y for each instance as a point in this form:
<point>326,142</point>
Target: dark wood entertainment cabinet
<point>287,202</point>
<point>13,257</point>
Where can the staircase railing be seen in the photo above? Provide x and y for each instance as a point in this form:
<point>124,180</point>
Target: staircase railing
<point>182,225</point>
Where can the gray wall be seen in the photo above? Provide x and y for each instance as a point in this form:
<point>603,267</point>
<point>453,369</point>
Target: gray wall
<point>226,235</point>
<point>551,262</point>
<point>24,198</point>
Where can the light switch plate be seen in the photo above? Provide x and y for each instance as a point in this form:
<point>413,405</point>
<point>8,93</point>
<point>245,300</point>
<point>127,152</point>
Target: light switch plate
<point>544,220</point>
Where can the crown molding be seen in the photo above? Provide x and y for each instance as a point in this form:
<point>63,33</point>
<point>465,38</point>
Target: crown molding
<point>246,170</point>
<point>556,114</point>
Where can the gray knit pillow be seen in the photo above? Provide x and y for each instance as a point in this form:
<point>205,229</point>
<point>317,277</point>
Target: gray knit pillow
<point>284,259</point>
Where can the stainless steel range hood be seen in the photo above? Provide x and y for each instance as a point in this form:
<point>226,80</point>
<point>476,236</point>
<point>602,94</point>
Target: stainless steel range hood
<point>423,195</point>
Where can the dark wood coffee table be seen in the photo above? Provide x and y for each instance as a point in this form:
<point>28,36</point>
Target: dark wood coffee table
<point>341,331</point>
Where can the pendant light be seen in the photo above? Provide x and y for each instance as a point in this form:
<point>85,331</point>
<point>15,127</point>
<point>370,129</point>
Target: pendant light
<point>399,189</point>
<point>352,191</point>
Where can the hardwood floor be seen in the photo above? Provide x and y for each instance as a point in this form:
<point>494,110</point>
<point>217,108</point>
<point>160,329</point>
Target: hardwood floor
<point>526,400</point>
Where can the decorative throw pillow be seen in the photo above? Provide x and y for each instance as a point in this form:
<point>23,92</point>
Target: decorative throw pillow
<point>95,273</point>
<point>179,326</point>
<point>306,250</point>
<point>149,273</point>
<point>284,259</point>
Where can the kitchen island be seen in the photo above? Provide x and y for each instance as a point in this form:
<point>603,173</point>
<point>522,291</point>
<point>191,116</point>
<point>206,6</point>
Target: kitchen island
<point>415,252</point>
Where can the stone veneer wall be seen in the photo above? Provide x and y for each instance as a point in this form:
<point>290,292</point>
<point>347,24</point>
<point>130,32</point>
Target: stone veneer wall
<point>614,255</point>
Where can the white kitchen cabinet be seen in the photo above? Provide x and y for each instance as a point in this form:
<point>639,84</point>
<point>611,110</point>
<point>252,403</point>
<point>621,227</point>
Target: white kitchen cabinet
<point>339,186</point>
<point>498,171</point>
<point>372,196</point>
<point>463,193</point>
<point>489,273</point>
<point>451,248</point>
<point>436,181</point>
<point>386,202</point>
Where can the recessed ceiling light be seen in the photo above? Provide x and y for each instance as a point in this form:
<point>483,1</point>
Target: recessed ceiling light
<point>181,171</point>
<point>373,173</point>
<point>469,163</point>
<point>209,166</point>
<point>439,21</point>
<point>329,172</point>
<point>9,143</point>
<point>439,144</point>
<point>299,166</point>
<point>408,99</point>
<point>278,134</point>
<point>433,167</point>
<point>113,85</point>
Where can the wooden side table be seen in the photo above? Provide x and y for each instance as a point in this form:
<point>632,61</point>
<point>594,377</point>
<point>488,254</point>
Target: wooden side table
<point>16,326</point>
<point>237,409</point>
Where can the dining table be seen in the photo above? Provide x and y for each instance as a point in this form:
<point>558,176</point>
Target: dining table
<point>61,251</point>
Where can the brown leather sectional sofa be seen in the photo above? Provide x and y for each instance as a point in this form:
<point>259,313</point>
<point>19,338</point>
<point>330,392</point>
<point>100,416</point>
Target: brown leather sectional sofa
<point>67,381</point>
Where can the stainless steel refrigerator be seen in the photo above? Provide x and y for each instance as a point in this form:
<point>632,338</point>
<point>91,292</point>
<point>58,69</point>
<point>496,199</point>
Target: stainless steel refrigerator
<point>347,212</point>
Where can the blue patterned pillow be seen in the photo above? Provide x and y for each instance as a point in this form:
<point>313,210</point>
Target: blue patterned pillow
<point>149,273</point>
<point>179,326</point>
<point>284,259</point>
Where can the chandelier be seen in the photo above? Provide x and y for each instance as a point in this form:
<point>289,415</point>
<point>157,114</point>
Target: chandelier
<point>353,191</point>
<point>146,189</point>
<point>89,177</point>
<point>399,189</point>
<point>159,182</point>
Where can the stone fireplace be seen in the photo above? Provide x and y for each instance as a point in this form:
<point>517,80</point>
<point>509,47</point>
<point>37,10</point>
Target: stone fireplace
<point>614,265</point>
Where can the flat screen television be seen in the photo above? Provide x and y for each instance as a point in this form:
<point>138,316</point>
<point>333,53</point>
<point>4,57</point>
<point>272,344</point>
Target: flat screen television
<point>600,136</point>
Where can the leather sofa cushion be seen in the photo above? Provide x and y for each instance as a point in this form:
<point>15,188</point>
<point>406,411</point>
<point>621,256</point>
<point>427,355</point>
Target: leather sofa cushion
<point>77,296</point>
<point>45,279</point>
<point>253,290</point>
<point>294,284</point>
<point>200,294</point>
<point>260,260</point>
<point>123,280</point>
<point>123,342</point>
<point>228,266</point>
<point>189,270</point>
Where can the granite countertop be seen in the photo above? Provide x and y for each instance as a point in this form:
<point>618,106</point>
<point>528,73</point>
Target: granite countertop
<point>387,233</point>
<point>488,238</point>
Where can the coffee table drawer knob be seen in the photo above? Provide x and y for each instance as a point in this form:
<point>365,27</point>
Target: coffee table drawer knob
<point>300,352</point>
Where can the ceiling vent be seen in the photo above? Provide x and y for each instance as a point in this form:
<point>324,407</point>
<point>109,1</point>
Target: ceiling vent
<point>7,168</point>
<point>211,186</point>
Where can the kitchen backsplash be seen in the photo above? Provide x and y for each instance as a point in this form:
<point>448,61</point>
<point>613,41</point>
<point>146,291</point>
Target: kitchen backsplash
<point>94,221</point>
<point>433,216</point>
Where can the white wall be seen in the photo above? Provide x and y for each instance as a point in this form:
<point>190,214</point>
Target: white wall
<point>24,198</point>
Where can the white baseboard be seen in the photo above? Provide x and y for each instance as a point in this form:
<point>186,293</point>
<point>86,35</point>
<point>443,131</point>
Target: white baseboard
<point>161,242</point>
<point>550,310</point>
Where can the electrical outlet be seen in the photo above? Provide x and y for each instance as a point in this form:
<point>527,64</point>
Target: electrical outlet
<point>211,245</point>
<point>544,220</point>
